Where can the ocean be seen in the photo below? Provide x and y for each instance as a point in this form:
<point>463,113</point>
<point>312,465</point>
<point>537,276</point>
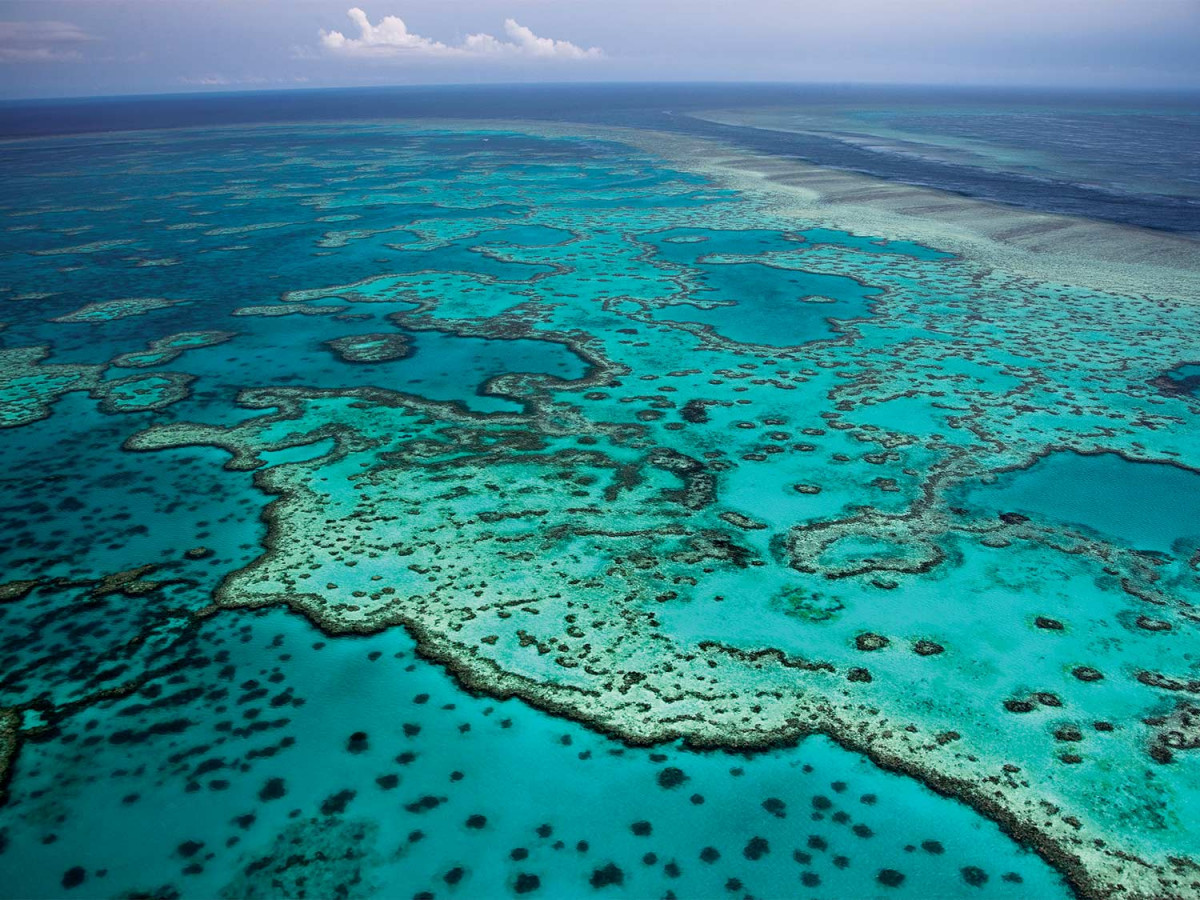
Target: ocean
<point>1125,157</point>
<point>515,491</point>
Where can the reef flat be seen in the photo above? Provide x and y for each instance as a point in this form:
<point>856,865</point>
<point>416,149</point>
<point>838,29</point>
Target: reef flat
<point>613,425</point>
<point>1045,246</point>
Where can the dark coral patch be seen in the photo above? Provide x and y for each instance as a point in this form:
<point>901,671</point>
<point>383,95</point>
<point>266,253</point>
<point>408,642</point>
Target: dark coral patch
<point>73,877</point>
<point>336,803</point>
<point>272,790</point>
<point>869,641</point>
<point>974,876</point>
<point>608,874</point>
<point>756,848</point>
<point>526,883</point>
<point>775,807</point>
<point>671,777</point>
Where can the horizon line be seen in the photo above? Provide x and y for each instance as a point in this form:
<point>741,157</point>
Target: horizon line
<point>253,90</point>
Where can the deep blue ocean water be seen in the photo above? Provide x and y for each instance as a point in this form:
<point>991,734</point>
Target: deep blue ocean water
<point>1125,157</point>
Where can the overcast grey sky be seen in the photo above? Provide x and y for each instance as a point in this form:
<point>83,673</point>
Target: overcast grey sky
<point>85,47</point>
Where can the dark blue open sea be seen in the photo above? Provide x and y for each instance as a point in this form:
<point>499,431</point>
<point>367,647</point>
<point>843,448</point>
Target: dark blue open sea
<point>1124,157</point>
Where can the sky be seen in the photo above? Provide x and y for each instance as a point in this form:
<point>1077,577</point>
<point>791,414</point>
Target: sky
<point>60,48</point>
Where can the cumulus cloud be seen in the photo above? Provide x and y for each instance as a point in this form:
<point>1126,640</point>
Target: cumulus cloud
<point>41,41</point>
<point>392,39</point>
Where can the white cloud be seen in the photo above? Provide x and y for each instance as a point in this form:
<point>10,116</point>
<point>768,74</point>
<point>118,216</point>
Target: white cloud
<point>41,41</point>
<point>528,43</point>
<point>392,39</point>
<point>224,81</point>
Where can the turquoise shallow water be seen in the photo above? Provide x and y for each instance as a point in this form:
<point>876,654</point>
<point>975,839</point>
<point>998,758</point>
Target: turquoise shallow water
<point>765,304</point>
<point>408,512</point>
<point>555,801</point>
<point>1144,505</point>
<point>1185,378</point>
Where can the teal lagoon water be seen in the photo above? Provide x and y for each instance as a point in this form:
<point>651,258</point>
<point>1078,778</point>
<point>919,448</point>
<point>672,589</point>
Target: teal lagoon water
<point>1148,506</point>
<point>380,521</point>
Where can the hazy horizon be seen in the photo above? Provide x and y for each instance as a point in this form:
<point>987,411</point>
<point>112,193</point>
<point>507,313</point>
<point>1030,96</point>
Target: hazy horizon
<point>1049,90</point>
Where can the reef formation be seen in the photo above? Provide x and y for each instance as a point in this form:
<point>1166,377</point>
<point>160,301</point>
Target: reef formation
<point>684,462</point>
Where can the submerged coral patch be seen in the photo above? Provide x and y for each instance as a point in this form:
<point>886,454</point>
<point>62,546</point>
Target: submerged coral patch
<point>112,310</point>
<point>614,443</point>
<point>370,348</point>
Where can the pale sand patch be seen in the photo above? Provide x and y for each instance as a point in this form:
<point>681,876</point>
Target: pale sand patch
<point>1046,247</point>
<point>1083,252</point>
